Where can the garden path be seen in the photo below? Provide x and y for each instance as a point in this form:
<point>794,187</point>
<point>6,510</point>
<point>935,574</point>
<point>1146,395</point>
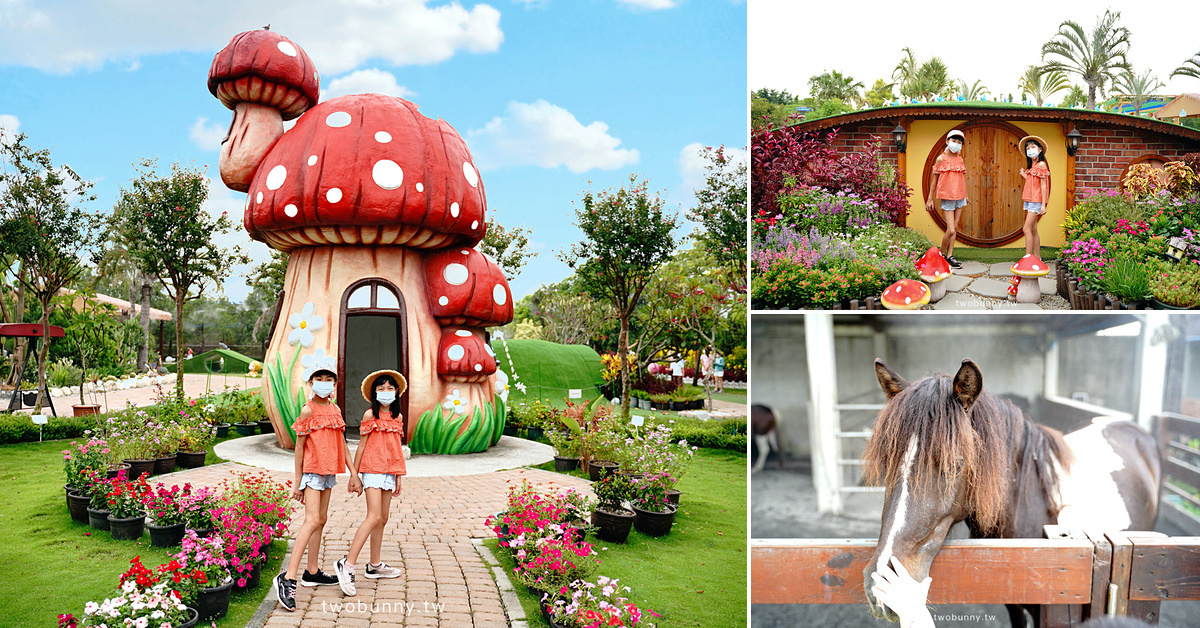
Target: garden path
<point>979,286</point>
<point>446,582</point>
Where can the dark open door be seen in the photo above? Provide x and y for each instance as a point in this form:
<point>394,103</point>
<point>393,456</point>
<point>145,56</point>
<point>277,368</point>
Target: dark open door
<point>373,337</point>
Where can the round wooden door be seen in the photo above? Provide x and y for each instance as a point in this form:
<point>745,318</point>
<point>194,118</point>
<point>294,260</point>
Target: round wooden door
<point>995,215</point>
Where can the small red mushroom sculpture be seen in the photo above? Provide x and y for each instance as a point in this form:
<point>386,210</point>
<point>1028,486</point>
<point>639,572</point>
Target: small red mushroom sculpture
<point>1029,268</point>
<point>934,269</point>
<point>379,209</point>
<point>905,294</point>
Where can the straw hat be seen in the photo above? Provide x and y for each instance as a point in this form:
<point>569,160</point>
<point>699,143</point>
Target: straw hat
<point>1040,141</point>
<point>401,383</point>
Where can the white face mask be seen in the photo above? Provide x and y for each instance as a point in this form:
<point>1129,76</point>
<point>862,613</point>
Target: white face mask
<point>385,397</point>
<point>954,147</point>
<point>323,389</point>
<point>1033,153</point>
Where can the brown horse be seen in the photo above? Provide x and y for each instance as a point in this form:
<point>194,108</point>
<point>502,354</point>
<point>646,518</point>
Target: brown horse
<point>947,451</point>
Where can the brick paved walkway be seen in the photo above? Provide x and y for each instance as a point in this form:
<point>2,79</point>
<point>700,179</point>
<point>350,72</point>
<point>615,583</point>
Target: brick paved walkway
<point>445,583</point>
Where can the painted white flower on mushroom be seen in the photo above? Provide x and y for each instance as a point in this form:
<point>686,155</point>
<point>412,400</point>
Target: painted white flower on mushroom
<point>287,48</point>
<point>387,174</point>
<point>338,119</point>
<point>317,359</point>
<point>383,137</point>
<point>303,324</point>
<point>276,177</point>
<point>502,385</point>
<point>455,274</point>
<point>499,295</point>
<point>470,174</point>
<point>454,403</point>
<point>455,352</point>
<point>333,195</point>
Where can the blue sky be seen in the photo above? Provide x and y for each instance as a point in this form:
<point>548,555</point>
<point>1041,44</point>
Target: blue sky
<point>551,96</point>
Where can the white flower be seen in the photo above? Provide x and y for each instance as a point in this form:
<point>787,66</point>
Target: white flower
<point>502,385</point>
<point>521,387</point>
<point>317,359</point>
<point>498,335</point>
<point>454,403</point>
<point>304,324</point>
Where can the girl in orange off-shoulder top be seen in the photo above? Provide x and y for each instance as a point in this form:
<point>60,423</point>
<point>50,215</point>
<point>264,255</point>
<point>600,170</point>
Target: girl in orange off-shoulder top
<point>950,187</point>
<point>1036,193</point>
<point>380,459</point>
<point>321,454</point>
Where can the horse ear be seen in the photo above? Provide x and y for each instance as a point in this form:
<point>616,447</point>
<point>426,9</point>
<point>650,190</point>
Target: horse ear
<point>968,383</point>
<point>888,379</point>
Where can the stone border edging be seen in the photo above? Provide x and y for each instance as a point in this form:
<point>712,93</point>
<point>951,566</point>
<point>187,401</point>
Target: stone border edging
<point>513,609</point>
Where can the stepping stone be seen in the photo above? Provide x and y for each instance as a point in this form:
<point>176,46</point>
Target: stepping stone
<point>971,268</point>
<point>1048,284</point>
<point>988,287</point>
<point>959,301</point>
<point>955,283</point>
<point>1009,305</point>
<point>1001,269</point>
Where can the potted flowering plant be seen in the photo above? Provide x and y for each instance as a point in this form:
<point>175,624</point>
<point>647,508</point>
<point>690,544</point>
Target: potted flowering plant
<point>98,489</point>
<point>196,510</point>
<point>1176,286</point>
<point>666,457</point>
<point>554,562</point>
<point>163,440</point>
<point>586,604</point>
<point>246,541</point>
<point>92,456</point>
<point>610,518</point>
<point>207,556</point>
<point>256,494</point>
<point>126,512</point>
<point>133,606</point>
<point>576,507</point>
<point>528,513</point>
<point>195,437</point>
<point>655,513</point>
<point>128,432</point>
<point>163,505</point>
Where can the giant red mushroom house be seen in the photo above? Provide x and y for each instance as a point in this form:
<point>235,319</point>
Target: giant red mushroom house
<point>379,209</point>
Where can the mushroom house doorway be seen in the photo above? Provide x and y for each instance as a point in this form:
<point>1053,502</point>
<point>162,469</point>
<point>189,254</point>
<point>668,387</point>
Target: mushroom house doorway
<point>373,338</point>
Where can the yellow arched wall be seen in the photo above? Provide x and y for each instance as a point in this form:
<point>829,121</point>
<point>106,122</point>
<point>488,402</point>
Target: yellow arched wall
<point>923,134</point>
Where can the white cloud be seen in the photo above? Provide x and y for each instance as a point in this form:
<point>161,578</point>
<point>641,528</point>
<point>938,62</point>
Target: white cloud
<point>651,5</point>
<point>9,124</point>
<point>692,169</point>
<point>338,35</point>
<point>546,135</point>
<point>372,81</point>
<point>222,199</point>
<point>207,136</point>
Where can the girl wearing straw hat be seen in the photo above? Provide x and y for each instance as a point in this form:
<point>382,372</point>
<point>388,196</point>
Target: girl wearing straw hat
<point>950,187</point>
<point>1037,189</point>
<point>380,459</point>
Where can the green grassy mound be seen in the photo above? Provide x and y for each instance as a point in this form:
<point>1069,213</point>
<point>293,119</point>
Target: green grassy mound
<point>210,362</point>
<point>548,370</point>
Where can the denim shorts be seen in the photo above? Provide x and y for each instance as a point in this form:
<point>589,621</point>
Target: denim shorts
<point>949,206</point>
<point>385,481</point>
<point>317,481</point>
<point>1033,207</point>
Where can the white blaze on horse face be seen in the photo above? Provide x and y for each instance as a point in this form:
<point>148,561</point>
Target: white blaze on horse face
<point>1088,493</point>
<point>898,517</point>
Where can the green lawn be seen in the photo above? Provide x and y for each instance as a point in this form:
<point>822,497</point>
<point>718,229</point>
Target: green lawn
<point>991,256</point>
<point>61,564</point>
<point>694,576</point>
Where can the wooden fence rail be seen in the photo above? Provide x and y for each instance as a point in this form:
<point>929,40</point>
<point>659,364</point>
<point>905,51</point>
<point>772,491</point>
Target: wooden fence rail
<point>1072,575</point>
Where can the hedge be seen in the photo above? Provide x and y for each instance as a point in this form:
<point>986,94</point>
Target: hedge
<point>716,434</point>
<point>19,428</point>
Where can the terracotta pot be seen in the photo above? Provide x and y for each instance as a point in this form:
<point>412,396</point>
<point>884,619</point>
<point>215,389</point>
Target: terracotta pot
<point>86,409</point>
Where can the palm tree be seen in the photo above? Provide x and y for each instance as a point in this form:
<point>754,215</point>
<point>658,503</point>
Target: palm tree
<point>1041,85</point>
<point>907,68</point>
<point>1191,68</point>
<point>1074,97</point>
<point>1138,87</point>
<point>974,92</point>
<point>1095,58</point>
<point>832,85</point>
<point>931,79</point>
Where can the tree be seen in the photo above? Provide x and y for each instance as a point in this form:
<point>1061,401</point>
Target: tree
<point>627,235</point>
<point>1139,87</point>
<point>931,79</point>
<point>774,97</point>
<point>827,108</point>
<point>1040,84</point>
<point>974,92</point>
<point>266,282</point>
<point>45,225</point>
<point>508,247</point>
<point>880,93</point>
<point>571,319</point>
<point>121,271</point>
<point>721,209</point>
<point>906,71</point>
<point>1096,58</point>
<point>169,233</point>
<point>1074,98</point>
<point>830,85</point>
<point>1191,68</point>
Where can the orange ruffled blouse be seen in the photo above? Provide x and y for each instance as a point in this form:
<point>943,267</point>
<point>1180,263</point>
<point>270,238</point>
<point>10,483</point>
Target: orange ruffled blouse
<point>952,179</point>
<point>324,448</point>
<point>385,447</point>
<point>1033,183</point>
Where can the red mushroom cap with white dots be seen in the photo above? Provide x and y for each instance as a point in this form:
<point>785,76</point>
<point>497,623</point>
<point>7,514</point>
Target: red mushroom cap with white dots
<point>932,266</point>
<point>466,288</point>
<point>367,169</point>
<point>266,68</point>
<point>905,294</point>
<point>463,357</point>
<point>1030,266</point>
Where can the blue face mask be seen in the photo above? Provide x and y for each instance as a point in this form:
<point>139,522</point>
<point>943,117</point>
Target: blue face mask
<point>323,389</point>
<point>385,397</point>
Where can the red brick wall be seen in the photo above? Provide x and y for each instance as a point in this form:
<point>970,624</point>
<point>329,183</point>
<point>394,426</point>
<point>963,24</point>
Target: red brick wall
<point>1104,153</point>
<point>854,138</point>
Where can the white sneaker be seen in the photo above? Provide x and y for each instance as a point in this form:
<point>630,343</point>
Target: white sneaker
<point>382,570</point>
<point>345,576</point>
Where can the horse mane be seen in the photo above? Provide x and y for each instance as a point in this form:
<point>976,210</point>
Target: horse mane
<point>1042,447</point>
<point>950,441</point>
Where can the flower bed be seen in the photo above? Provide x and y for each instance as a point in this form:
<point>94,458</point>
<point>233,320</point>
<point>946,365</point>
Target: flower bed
<point>1116,256</point>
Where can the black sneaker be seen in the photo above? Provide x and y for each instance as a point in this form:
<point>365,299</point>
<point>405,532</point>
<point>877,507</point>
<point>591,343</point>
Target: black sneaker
<point>286,591</point>
<point>953,262</point>
<point>317,579</point>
